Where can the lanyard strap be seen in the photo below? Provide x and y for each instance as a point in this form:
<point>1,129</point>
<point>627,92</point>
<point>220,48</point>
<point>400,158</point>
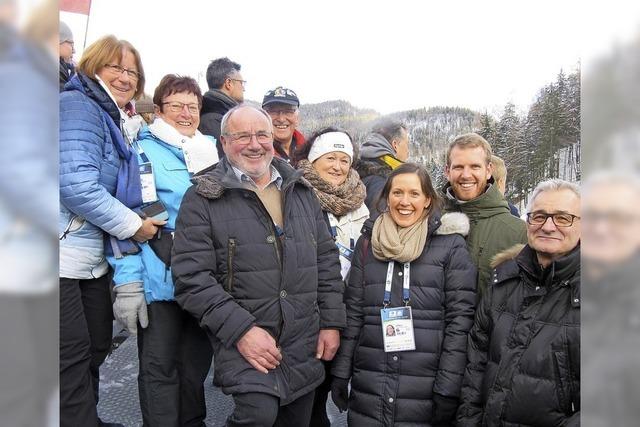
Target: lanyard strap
<point>143,156</point>
<point>405,283</point>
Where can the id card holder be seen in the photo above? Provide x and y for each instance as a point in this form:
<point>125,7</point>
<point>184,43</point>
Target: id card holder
<point>397,329</point>
<point>148,183</point>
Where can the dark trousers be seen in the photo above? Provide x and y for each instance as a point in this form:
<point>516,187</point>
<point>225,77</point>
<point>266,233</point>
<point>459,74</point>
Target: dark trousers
<point>264,410</point>
<point>86,320</point>
<point>175,358</point>
<point>319,416</point>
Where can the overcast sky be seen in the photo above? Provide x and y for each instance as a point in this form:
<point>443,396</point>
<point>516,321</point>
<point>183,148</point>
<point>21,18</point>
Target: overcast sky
<point>386,55</point>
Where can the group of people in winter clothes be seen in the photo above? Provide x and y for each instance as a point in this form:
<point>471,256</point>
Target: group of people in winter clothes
<point>286,275</point>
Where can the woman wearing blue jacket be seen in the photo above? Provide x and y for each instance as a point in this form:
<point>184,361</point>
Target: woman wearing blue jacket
<point>173,351</point>
<point>99,188</point>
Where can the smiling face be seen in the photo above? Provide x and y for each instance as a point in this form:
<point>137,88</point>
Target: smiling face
<point>253,158</point>
<point>121,85</point>
<point>333,167</point>
<point>183,120</point>
<point>468,172</point>
<point>285,120</point>
<point>407,202</point>
<point>548,240</point>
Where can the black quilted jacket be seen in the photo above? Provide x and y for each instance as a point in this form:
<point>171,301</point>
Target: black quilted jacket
<point>524,347</point>
<point>232,271</point>
<point>396,388</point>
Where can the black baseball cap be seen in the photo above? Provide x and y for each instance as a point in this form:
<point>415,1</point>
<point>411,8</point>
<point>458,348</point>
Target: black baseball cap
<point>281,95</point>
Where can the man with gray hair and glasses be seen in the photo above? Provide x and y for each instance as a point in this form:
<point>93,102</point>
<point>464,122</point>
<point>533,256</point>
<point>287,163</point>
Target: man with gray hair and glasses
<point>254,262</point>
<point>524,347</point>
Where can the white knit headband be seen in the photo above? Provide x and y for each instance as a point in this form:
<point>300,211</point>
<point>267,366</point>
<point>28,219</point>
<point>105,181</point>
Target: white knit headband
<point>329,142</point>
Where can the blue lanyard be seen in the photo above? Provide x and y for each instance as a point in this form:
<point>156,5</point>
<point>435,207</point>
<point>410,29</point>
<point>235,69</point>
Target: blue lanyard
<point>405,284</point>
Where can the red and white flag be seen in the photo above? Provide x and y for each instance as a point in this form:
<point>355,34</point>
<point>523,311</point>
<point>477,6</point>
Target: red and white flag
<point>75,6</point>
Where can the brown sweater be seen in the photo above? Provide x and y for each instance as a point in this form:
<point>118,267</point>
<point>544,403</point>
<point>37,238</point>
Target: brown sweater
<point>272,200</point>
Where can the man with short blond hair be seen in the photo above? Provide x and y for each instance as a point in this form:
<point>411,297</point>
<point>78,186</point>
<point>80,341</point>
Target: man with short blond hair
<point>471,190</point>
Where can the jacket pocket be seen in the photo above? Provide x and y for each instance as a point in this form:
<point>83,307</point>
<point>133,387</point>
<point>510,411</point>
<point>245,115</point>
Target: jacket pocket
<point>231,251</point>
<point>75,223</point>
<point>563,380</point>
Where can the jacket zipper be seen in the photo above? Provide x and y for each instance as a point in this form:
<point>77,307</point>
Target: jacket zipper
<point>231,250</point>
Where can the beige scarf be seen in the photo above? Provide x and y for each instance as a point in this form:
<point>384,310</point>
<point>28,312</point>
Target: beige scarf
<point>391,242</point>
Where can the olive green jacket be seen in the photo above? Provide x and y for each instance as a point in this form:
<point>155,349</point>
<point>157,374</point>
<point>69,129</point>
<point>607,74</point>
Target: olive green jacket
<point>493,228</point>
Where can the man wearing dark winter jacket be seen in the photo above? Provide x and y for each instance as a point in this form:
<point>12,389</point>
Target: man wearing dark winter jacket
<point>524,346</point>
<point>226,90</point>
<point>283,105</point>
<point>472,191</point>
<point>254,262</point>
<point>384,149</point>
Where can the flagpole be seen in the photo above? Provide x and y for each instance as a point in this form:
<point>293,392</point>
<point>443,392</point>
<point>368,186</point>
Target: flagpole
<point>86,29</point>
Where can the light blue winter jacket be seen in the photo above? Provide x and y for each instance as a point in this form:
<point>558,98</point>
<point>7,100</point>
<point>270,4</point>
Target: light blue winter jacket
<point>172,180</point>
<point>88,171</point>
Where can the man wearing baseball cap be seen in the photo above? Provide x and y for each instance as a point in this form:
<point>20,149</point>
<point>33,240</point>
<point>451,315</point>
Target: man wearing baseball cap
<point>282,105</point>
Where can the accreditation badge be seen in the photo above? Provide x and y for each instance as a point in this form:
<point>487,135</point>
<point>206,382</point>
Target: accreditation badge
<point>148,183</point>
<point>397,329</point>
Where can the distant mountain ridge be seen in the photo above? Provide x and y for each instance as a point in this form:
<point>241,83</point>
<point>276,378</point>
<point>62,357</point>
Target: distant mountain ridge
<point>430,129</point>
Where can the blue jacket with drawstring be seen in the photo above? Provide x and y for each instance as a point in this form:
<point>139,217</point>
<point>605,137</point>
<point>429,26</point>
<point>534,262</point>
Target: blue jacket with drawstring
<point>88,173</point>
<point>172,180</point>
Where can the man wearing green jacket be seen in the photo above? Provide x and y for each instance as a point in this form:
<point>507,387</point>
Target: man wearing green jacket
<point>471,190</point>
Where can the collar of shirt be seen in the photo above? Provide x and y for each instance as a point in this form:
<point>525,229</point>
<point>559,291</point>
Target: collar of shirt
<point>244,178</point>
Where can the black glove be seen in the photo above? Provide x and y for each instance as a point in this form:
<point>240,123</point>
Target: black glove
<point>340,392</point>
<point>444,410</point>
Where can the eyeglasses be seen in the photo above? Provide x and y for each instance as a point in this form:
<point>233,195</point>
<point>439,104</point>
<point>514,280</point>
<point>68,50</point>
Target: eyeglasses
<point>177,107</point>
<point>244,138</point>
<point>242,82</point>
<point>287,112</point>
<point>559,219</point>
<point>134,75</point>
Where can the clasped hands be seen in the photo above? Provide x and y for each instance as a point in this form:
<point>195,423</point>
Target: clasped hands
<point>259,348</point>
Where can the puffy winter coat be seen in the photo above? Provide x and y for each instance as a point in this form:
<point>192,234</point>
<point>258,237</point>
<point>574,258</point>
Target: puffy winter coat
<point>493,228</point>
<point>172,180</point>
<point>233,271</point>
<point>396,388</point>
<point>524,347</point>
<point>88,171</point>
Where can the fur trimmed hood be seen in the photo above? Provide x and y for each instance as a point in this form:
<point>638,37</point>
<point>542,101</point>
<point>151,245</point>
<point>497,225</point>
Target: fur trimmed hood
<point>506,255</point>
<point>452,223</point>
<point>212,182</point>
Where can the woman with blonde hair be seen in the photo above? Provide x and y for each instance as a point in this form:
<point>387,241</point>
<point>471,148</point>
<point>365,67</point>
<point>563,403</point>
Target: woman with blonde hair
<point>100,188</point>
